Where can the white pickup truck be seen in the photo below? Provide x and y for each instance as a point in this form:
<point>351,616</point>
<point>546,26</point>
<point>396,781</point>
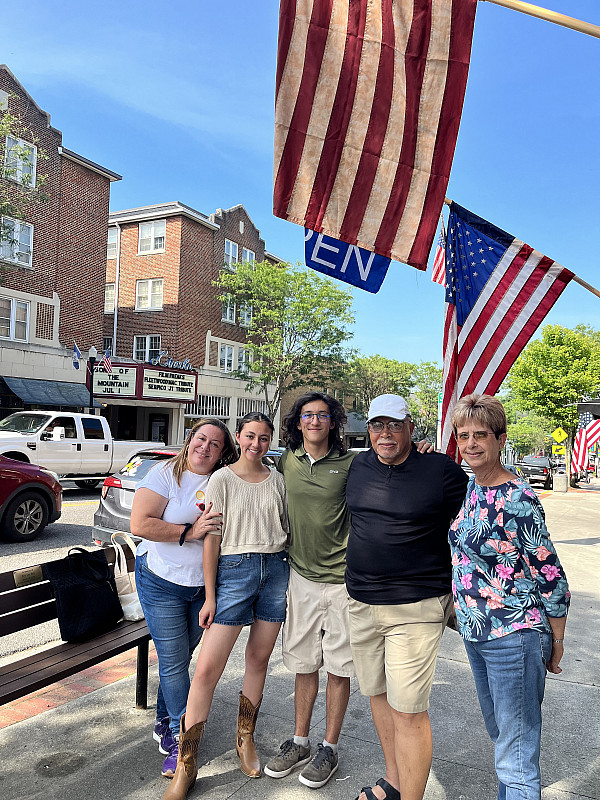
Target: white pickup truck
<point>77,446</point>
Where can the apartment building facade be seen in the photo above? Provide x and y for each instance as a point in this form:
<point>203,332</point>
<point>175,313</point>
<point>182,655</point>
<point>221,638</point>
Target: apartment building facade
<point>165,324</point>
<point>52,257</point>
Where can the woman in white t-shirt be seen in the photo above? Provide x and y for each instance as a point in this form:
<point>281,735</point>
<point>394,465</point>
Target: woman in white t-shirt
<point>246,573</point>
<point>171,516</point>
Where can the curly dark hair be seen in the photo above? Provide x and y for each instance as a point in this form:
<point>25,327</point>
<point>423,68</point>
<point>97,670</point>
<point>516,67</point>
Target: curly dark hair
<point>292,435</point>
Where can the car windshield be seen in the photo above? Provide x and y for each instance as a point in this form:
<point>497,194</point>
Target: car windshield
<point>535,460</point>
<point>24,423</point>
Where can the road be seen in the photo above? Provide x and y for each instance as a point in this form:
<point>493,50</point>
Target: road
<point>73,528</point>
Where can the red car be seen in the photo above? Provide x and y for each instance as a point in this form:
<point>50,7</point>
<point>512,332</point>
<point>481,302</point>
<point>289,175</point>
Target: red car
<point>30,498</point>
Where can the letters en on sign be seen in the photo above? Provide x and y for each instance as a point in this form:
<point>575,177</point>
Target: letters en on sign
<point>346,262</point>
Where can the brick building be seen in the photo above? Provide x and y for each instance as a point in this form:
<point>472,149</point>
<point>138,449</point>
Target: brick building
<point>163,320</point>
<point>52,257</point>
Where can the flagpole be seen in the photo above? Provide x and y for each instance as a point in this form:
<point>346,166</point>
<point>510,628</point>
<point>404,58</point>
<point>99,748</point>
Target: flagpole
<point>549,16</point>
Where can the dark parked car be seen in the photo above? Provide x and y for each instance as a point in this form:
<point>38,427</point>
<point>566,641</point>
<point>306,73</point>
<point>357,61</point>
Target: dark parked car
<point>116,498</point>
<point>537,469</point>
<point>30,498</point>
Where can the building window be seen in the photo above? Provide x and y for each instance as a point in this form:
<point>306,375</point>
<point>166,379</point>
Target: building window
<point>226,357</point>
<point>107,344</point>
<point>145,348</point>
<point>241,226</point>
<point>109,298</point>
<point>14,319</point>
<point>17,241</point>
<point>152,236</point>
<point>248,255</point>
<point>245,315</point>
<point>19,161</point>
<point>243,359</point>
<point>228,312</point>
<point>111,243</point>
<point>231,254</point>
<point>149,295</point>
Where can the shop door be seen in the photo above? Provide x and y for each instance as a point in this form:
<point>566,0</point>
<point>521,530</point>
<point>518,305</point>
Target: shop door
<point>158,427</point>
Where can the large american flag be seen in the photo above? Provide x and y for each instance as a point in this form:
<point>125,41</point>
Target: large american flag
<point>498,291</point>
<point>368,102</point>
<point>588,433</point>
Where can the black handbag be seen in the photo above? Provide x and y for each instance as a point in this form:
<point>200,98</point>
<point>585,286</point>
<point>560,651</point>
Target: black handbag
<point>86,594</point>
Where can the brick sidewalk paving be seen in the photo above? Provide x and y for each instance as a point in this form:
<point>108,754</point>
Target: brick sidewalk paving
<point>84,682</point>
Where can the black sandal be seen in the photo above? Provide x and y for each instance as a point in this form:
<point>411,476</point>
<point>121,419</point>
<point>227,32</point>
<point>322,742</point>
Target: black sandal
<point>390,792</point>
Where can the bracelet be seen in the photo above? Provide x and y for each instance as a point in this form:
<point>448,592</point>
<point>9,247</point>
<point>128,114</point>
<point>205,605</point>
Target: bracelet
<point>558,641</point>
<point>186,528</point>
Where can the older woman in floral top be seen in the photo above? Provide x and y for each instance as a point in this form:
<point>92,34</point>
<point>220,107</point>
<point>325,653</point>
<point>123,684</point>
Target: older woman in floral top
<point>510,594</point>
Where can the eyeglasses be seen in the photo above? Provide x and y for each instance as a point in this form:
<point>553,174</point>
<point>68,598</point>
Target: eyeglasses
<point>477,435</point>
<point>393,427</point>
<point>310,414</point>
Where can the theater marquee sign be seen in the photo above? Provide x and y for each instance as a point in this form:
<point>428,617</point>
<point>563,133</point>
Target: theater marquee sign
<point>169,385</point>
<point>120,382</point>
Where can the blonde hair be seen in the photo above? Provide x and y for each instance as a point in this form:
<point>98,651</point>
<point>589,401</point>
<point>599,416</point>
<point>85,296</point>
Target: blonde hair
<point>179,463</point>
<point>481,408</point>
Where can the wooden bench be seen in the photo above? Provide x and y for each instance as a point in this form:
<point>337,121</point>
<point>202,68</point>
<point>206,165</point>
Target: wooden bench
<point>26,599</point>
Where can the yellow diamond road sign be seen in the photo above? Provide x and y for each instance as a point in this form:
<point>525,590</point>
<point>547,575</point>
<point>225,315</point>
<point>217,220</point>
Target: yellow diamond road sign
<point>559,435</point>
<point>559,450</point>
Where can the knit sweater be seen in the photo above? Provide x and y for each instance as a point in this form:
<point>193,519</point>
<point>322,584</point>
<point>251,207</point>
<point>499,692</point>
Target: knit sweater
<point>254,514</point>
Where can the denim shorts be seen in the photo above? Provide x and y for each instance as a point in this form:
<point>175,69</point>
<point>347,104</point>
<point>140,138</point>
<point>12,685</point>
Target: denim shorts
<point>252,586</point>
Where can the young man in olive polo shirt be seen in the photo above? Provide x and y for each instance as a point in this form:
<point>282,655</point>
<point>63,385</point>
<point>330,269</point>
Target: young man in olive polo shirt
<point>316,631</point>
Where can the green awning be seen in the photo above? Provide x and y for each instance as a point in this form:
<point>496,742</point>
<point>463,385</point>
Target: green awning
<point>50,393</point>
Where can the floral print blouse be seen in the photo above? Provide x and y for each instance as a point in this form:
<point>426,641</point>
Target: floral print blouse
<point>506,575</point>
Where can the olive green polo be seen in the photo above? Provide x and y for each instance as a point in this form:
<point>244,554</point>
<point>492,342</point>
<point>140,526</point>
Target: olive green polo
<point>318,515</point>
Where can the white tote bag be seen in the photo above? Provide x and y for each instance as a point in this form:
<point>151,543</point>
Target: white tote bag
<point>128,596</point>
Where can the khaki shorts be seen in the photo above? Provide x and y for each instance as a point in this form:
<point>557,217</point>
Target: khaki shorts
<point>395,648</point>
<point>316,632</point>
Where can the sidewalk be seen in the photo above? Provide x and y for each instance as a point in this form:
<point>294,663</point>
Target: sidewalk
<point>84,735</point>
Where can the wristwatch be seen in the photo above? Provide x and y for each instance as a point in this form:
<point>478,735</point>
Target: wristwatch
<point>558,641</point>
<point>188,525</point>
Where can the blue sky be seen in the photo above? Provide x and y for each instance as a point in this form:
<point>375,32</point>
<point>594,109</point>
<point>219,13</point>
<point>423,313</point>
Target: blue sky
<point>178,98</point>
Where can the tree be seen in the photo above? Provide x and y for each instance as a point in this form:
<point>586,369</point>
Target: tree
<point>423,401</point>
<point>556,372</point>
<point>19,155</point>
<point>366,377</point>
<point>298,326</point>
<point>528,432</point>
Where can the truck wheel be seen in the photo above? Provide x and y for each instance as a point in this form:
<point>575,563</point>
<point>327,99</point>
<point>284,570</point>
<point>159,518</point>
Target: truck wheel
<point>91,484</point>
<point>26,516</point>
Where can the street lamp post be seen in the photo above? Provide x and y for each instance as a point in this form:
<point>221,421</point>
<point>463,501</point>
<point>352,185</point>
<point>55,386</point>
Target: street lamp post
<point>92,355</point>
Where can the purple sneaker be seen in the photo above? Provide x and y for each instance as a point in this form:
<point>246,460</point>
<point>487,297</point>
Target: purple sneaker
<point>162,734</point>
<point>170,762</point>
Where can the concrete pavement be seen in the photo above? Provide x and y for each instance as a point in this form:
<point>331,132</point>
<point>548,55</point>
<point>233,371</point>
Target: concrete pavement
<point>95,744</point>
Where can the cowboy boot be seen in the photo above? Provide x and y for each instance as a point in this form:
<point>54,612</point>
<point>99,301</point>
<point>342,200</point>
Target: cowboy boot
<point>187,761</point>
<point>244,743</point>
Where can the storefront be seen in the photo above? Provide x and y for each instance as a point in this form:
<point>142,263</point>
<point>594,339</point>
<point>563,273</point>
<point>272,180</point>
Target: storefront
<point>145,402</point>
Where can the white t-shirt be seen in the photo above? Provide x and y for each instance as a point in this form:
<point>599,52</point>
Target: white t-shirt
<point>175,563</point>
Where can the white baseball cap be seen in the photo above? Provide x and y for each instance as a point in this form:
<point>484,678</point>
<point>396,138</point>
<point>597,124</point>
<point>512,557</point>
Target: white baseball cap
<point>388,405</point>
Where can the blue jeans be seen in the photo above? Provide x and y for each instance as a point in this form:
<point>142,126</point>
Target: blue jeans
<point>171,613</point>
<point>510,674</point>
<point>252,586</point>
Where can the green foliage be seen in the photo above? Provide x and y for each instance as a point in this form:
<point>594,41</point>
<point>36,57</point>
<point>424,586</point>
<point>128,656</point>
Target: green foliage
<point>17,190</point>
<point>423,401</point>
<point>556,372</point>
<point>298,329</point>
<point>366,377</point>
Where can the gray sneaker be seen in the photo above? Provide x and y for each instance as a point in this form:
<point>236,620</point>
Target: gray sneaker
<point>291,755</point>
<point>320,769</point>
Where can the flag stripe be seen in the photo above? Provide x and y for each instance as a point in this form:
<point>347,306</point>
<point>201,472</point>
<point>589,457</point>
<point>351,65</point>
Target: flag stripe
<point>346,97</point>
<point>357,162</point>
<point>454,95</point>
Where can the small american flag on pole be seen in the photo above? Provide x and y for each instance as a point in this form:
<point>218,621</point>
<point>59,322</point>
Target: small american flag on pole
<point>106,362</point>
<point>439,262</point>
<point>499,290</point>
<point>587,434</point>
<point>368,102</point>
